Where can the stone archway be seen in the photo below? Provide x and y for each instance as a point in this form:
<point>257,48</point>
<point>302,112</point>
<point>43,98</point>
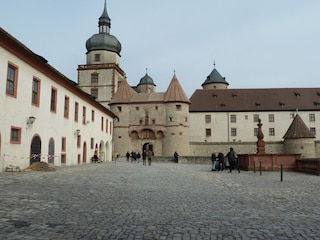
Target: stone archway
<point>35,151</point>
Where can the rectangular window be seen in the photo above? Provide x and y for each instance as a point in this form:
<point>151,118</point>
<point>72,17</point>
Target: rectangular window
<point>76,112</point>
<point>102,122</point>
<point>12,79</point>
<point>313,131</point>
<point>153,121</point>
<point>15,135</point>
<point>233,132</point>
<point>92,116</point>
<point>92,143</point>
<point>79,141</point>
<point>53,104</point>
<point>312,117</point>
<point>63,144</point>
<point>255,117</point>
<point>84,115</point>
<point>207,118</point>
<point>178,107</point>
<point>66,106</point>
<point>233,118</point>
<point>137,108</point>
<point>119,109</point>
<point>208,132</point>
<point>35,92</point>
<point>97,57</point>
<point>255,132</point>
<point>94,93</point>
<point>271,132</point>
<point>110,128</point>
<point>271,117</point>
<point>94,78</point>
<point>107,123</point>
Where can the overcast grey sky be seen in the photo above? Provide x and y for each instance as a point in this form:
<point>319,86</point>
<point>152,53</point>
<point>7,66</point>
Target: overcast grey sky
<point>254,43</point>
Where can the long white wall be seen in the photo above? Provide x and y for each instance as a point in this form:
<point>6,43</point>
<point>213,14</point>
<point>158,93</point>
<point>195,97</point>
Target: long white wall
<point>14,112</point>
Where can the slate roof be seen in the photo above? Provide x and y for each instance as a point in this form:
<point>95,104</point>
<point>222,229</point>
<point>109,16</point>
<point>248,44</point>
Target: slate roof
<point>215,77</point>
<point>250,100</point>
<point>298,129</point>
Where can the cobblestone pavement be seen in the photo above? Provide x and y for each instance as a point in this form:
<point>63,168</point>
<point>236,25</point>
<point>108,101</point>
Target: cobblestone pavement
<point>162,201</point>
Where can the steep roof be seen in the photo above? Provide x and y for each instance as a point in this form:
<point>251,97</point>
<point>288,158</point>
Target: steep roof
<point>241,100</point>
<point>298,129</point>
<point>124,93</point>
<point>175,92</point>
<point>215,77</point>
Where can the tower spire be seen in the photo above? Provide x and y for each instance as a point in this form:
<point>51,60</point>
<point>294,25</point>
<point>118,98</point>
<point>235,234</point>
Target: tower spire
<point>104,20</point>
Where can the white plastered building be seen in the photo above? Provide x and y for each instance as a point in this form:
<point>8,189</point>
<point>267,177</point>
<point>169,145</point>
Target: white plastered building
<point>44,115</point>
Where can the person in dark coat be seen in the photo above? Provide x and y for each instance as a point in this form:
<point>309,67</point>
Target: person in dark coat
<point>176,157</point>
<point>233,160</point>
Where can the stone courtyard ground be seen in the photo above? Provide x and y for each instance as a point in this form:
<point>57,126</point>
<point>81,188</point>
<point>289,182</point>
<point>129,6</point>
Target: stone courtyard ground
<point>163,201</point>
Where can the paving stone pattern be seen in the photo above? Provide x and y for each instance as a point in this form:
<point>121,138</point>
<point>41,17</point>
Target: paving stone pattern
<point>162,201</point>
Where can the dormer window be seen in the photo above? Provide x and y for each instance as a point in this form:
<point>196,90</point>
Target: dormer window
<point>281,103</point>
<point>258,104</point>
<point>222,104</point>
<point>297,94</point>
<point>214,95</point>
<point>234,95</point>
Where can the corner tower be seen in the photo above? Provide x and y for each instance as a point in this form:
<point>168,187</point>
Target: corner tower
<point>101,75</point>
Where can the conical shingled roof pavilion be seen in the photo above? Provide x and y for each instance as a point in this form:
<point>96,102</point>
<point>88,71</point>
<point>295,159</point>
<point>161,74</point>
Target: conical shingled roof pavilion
<point>124,93</point>
<point>298,129</point>
<point>175,92</point>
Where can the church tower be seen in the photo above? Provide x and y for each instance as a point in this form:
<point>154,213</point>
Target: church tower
<point>101,75</point>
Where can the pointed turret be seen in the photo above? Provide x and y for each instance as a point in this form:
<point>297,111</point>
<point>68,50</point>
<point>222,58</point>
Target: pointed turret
<point>215,80</point>
<point>124,93</point>
<point>104,20</point>
<point>175,92</point>
<point>299,139</point>
<point>298,129</point>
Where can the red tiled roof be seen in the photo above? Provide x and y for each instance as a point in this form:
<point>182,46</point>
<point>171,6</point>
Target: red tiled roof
<point>241,100</point>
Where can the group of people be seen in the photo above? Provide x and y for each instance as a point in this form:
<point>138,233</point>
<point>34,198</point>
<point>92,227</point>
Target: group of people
<point>229,162</point>
<point>135,157</point>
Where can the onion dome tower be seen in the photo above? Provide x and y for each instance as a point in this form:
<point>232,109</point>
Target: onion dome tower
<point>101,75</point>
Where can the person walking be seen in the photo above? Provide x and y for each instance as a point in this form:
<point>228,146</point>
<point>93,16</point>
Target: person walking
<point>233,160</point>
<point>149,155</point>
<point>144,157</point>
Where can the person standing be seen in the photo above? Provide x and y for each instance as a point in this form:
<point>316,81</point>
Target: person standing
<point>149,155</point>
<point>128,156</point>
<point>116,157</point>
<point>144,157</point>
<point>138,157</point>
<point>176,157</point>
<point>233,160</point>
